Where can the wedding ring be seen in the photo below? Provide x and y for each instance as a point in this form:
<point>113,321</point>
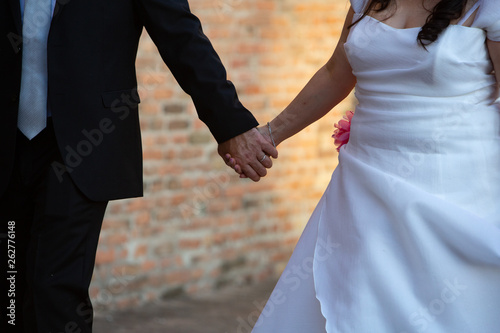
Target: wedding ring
<point>263,158</point>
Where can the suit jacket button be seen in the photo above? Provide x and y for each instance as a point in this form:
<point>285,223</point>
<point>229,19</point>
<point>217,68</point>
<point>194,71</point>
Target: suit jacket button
<point>14,98</point>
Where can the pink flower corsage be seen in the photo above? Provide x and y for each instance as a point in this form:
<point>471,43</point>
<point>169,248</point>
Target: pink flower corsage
<point>343,129</point>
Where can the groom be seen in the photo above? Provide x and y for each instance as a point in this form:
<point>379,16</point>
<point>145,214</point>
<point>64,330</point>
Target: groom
<point>71,141</point>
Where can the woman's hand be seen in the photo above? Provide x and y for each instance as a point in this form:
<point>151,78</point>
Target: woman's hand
<point>265,160</point>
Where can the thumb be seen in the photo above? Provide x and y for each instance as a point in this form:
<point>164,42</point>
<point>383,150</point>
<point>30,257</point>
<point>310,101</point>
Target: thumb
<point>268,146</point>
<point>270,150</point>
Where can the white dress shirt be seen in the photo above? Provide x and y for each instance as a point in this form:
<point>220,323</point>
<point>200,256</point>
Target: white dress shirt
<point>22,7</point>
<point>49,113</point>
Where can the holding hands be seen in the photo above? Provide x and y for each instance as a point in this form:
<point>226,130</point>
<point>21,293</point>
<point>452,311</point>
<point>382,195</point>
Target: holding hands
<point>249,154</point>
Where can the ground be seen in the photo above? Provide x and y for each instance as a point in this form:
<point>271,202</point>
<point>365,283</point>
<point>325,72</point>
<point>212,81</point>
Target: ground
<point>231,310</point>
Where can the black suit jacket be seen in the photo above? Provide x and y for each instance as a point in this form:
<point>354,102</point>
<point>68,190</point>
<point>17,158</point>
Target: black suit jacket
<point>92,83</point>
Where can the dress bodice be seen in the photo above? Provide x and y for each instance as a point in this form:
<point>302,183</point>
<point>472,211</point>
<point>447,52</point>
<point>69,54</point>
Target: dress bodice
<point>456,64</point>
<point>434,105</point>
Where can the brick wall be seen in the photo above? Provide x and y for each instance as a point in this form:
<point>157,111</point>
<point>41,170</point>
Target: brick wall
<point>199,227</point>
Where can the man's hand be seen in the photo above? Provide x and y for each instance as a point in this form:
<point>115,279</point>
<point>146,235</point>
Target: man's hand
<point>248,154</point>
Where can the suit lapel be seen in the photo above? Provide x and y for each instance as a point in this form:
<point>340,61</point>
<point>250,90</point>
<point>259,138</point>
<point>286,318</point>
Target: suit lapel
<point>60,4</point>
<point>16,13</point>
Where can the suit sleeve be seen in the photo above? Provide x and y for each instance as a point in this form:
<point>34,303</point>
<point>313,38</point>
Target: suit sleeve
<point>191,58</point>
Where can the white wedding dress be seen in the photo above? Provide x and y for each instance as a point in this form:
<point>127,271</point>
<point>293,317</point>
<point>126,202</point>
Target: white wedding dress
<point>406,237</point>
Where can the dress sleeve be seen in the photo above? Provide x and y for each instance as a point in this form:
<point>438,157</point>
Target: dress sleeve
<point>358,5</point>
<point>488,18</point>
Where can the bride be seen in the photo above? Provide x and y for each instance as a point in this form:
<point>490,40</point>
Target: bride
<point>406,237</point>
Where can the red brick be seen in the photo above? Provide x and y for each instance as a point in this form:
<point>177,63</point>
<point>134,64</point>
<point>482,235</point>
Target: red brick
<point>149,265</point>
<point>186,244</point>
<point>104,256</point>
<point>177,277</point>
<point>116,239</point>
<point>141,251</point>
<point>143,218</point>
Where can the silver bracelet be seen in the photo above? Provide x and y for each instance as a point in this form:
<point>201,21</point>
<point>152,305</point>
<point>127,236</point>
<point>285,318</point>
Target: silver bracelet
<point>271,134</point>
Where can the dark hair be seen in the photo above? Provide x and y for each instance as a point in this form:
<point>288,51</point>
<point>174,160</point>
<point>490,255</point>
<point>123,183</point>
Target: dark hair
<point>439,19</point>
